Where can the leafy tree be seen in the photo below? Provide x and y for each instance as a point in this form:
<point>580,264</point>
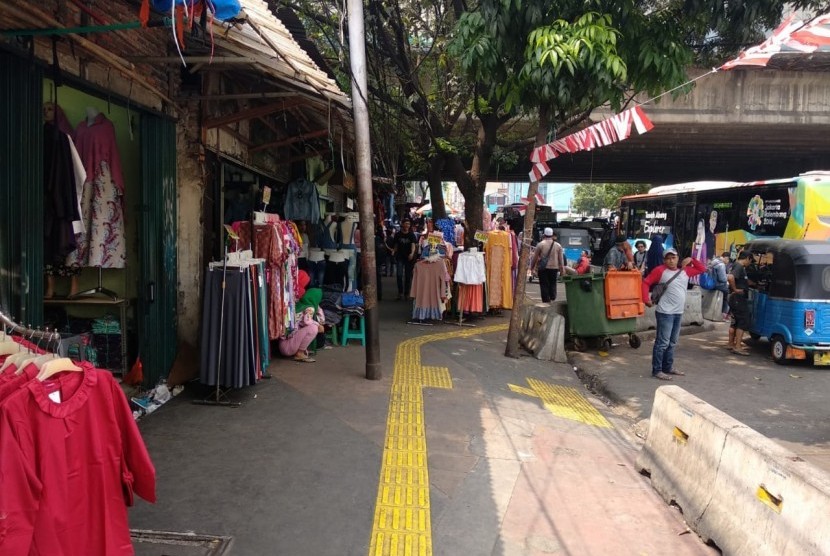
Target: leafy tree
<point>591,199</point>
<point>561,59</point>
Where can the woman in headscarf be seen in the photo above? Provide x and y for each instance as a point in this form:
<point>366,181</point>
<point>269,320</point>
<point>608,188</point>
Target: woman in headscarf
<point>296,343</point>
<point>654,256</point>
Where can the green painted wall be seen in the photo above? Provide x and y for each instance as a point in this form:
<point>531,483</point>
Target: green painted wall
<point>74,103</point>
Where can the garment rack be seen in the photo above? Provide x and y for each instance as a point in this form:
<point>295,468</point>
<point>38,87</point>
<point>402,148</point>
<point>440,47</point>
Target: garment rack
<point>220,397</point>
<point>27,332</point>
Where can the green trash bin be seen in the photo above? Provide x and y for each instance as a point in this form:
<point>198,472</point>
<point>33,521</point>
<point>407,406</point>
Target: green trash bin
<point>585,295</point>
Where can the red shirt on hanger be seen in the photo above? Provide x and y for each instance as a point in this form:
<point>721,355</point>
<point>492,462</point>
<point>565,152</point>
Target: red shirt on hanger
<point>71,457</point>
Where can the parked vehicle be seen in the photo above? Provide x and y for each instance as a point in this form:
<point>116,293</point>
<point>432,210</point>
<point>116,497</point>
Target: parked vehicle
<point>789,297</point>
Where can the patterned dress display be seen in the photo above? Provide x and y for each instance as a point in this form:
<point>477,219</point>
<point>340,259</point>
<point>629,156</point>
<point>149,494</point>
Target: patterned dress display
<point>102,242</point>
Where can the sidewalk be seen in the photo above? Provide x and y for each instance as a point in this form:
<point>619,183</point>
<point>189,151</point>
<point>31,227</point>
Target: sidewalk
<point>516,460</point>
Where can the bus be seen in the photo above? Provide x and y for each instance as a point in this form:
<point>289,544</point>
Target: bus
<point>704,219</point>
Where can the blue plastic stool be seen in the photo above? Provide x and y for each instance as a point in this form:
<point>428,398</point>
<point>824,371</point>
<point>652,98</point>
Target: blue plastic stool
<point>348,334</point>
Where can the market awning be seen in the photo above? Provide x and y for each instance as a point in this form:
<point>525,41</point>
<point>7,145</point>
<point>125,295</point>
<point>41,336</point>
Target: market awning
<point>261,37</point>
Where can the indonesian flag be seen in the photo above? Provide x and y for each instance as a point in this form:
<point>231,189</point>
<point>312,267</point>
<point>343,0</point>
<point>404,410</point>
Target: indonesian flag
<point>792,36</point>
<point>540,199</point>
<point>614,129</point>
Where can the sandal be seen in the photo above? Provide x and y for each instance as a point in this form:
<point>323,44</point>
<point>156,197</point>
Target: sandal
<point>741,352</point>
<point>661,376</point>
<point>305,359</point>
<point>676,373</point>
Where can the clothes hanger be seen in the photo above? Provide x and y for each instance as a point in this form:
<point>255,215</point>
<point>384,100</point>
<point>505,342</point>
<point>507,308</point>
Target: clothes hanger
<point>18,355</point>
<point>33,358</point>
<point>8,347</point>
<point>55,366</point>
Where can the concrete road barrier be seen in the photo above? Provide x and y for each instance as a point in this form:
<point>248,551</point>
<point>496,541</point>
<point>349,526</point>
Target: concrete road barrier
<point>543,330</point>
<point>737,488</point>
<point>692,314</point>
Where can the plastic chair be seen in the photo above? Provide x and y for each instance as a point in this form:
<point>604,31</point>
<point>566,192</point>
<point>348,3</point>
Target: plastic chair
<point>349,334</point>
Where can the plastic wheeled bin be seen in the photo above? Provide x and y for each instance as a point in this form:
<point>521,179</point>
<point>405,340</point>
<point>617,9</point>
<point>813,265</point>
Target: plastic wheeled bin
<point>587,317</point>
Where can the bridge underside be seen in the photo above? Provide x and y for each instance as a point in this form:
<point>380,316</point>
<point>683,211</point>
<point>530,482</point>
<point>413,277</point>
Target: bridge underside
<point>674,153</point>
<point>740,125</point>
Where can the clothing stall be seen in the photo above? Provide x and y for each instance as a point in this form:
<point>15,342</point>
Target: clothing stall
<point>71,455</point>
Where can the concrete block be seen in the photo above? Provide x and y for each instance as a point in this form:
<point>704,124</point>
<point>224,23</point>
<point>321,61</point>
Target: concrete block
<point>735,487</point>
<point>712,304</point>
<point>543,331</point>
<point>692,314</point>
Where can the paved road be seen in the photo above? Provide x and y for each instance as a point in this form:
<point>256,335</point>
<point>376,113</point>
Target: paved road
<point>787,403</point>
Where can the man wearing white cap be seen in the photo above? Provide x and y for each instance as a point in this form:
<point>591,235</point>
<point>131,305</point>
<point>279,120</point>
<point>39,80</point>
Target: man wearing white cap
<point>549,260</point>
<point>673,282</point>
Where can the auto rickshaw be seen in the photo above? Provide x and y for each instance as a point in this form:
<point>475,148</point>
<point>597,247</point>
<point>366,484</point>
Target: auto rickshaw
<point>789,298</point>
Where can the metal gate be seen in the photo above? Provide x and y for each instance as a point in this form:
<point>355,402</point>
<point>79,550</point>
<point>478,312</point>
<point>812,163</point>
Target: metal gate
<point>157,292</point>
<point>21,190</point>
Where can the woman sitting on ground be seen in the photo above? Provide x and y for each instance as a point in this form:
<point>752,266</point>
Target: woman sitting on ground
<point>295,344</point>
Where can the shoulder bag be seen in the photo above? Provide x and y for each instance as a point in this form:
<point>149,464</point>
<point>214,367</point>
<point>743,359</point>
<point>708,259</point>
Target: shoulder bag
<point>543,261</point>
<point>659,289</point>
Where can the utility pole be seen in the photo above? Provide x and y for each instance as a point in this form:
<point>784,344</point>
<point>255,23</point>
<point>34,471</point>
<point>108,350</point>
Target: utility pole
<point>363,155</point>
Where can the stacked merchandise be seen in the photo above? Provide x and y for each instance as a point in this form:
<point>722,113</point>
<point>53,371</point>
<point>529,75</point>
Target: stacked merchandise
<point>106,339</point>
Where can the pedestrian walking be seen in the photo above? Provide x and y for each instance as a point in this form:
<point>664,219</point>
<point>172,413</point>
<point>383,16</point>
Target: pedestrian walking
<point>721,275</point>
<point>404,252</point>
<point>549,260</point>
<point>671,282</point>
<point>738,304</point>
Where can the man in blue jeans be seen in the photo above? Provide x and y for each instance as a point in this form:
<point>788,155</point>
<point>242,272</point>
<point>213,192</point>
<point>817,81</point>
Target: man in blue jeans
<point>669,310</point>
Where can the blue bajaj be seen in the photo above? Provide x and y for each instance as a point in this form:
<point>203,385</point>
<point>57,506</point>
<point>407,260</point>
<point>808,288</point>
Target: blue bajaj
<point>789,298</point>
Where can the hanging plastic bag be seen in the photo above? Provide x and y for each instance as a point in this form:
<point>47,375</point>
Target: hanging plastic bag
<point>136,375</point>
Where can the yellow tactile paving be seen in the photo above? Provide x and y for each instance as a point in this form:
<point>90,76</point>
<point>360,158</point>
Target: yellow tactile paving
<point>563,401</point>
<point>402,525</point>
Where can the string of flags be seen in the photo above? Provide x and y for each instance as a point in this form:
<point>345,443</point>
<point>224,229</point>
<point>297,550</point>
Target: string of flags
<point>612,130</point>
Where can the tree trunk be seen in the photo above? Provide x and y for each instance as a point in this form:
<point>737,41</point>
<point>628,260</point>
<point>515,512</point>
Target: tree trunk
<point>473,197</point>
<point>436,191</point>
<point>512,349</point>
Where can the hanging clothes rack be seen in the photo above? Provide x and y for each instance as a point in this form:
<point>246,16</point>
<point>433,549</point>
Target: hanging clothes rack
<point>26,332</point>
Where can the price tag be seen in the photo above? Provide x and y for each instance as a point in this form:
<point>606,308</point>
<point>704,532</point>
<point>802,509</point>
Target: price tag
<point>266,195</point>
<point>480,236</point>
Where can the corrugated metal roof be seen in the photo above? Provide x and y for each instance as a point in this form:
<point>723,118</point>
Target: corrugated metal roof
<point>261,37</point>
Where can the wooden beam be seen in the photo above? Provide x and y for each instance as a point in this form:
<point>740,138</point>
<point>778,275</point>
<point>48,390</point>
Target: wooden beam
<point>242,96</point>
<point>235,134</point>
<point>255,112</point>
<point>269,125</point>
<point>190,60</point>
<point>290,140</point>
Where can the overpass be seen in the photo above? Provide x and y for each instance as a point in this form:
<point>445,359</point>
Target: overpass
<point>739,125</point>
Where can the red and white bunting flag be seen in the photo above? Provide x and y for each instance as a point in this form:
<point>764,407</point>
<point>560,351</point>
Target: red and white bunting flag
<point>793,36</point>
<point>612,130</point>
